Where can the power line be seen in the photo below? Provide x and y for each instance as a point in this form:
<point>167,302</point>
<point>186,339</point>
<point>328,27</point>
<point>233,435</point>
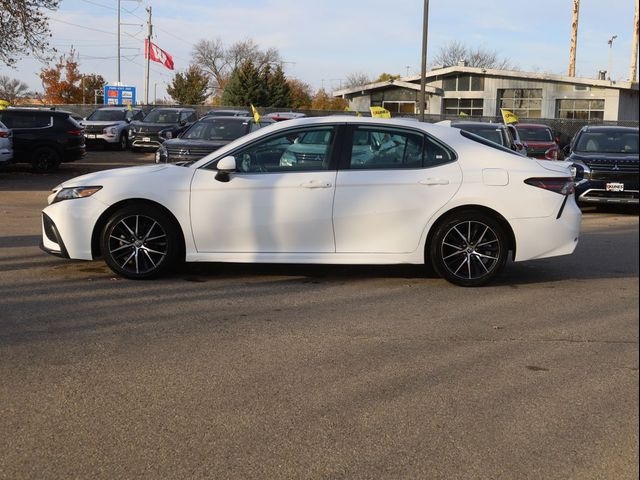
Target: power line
<point>82,26</point>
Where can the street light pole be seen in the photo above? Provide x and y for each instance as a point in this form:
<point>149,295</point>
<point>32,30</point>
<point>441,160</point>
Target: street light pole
<point>423,71</point>
<point>610,42</point>
<point>118,42</point>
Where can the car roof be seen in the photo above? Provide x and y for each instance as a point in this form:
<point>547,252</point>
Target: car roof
<point>49,110</point>
<point>113,107</point>
<point>608,128</point>
<point>482,125</point>
<point>174,108</point>
<point>532,125</point>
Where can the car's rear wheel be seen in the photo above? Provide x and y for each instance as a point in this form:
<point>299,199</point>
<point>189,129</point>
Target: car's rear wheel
<point>140,241</point>
<point>45,159</point>
<point>469,248</point>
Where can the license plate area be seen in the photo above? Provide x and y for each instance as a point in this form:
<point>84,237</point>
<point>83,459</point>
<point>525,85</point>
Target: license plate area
<point>615,187</point>
<point>146,139</point>
<point>90,135</point>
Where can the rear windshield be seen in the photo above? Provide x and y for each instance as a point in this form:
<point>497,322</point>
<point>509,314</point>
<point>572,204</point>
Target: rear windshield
<point>535,134</point>
<point>162,116</point>
<point>608,142</point>
<point>477,138</point>
<point>493,134</point>
<point>107,115</point>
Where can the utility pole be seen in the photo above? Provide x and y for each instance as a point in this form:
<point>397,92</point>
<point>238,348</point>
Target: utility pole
<point>147,51</point>
<point>574,38</point>
<point>609,67</point>
<point>423,71</point>
<point>118,42</point>
<point>633,69</point>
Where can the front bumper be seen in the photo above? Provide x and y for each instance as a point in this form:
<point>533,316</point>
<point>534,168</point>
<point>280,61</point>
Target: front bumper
<point>147,141</point>
<point>595,192</point>
<point>101,139</point>
<point>6,156</point>
<point>67,227</point>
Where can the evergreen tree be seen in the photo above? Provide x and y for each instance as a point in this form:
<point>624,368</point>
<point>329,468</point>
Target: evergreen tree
<point>190,88</point>
<point>278,88</point>
<point>245,87</point>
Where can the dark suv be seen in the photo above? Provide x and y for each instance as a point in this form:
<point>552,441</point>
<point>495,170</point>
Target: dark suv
<point>606,160</point>
<point>159,125</point>
<point>44,137</point>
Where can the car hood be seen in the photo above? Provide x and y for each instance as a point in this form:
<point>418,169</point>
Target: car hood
<point>109,176</point>
<point>537,144</point>
<point>597,158</point>
<point>152,127</point>
<point>199,144</point>
<point>96,123</point>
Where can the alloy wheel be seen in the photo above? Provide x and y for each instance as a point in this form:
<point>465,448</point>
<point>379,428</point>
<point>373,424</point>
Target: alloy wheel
<point>138,244</point>
<point>470,250</point>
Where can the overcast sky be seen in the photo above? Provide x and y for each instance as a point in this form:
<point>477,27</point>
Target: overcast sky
<point>323,41</point>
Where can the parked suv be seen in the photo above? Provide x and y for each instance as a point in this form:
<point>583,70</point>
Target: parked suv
<point>205,136</point>
<point>158,125</point>
<point>6,144</point>
<point>109,126</point>
<point>44,137</point>
<point>606,160</point>
<point>541,143</point>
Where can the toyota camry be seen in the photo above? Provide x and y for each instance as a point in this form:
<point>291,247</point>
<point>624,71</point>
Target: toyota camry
<point>330,190</point>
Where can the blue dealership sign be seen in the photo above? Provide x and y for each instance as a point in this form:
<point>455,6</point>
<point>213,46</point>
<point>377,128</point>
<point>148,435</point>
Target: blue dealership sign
<point>119,95</point>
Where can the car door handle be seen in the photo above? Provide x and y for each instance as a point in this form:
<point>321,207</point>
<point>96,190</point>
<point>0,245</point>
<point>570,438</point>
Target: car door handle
<point>434,181</point>
<point>315,184</point>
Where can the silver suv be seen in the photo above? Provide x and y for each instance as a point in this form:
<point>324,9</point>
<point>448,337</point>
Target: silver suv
<point>109,126</point>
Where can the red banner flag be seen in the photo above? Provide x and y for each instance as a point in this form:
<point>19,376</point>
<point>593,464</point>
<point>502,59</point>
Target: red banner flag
<point>157,54</point>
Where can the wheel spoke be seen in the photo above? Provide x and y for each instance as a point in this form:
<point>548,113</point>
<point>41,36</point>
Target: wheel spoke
<point>127,227</point>
<point>129,258</point>
<point>453,246</point>
<point>459,252</point>
<point>483,234</point>
<point>147,249</point>
<point>149,257</point>
<point>155,238</point>
<point>486,243</point>
<point>466,259</point>
<point>128,245</point>
<point>482,263</point>
<point>146,236</point>
<point>136,258</point>
<point>461,235</point>
<point>478,254</point>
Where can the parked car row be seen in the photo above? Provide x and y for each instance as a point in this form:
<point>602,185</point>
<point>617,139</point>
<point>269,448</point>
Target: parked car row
<point>42,137</point>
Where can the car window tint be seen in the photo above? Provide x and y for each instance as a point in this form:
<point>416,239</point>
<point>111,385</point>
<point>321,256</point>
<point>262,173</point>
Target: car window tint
<point>375,148</point>
<point>290,151</point>
<point>26,120</point>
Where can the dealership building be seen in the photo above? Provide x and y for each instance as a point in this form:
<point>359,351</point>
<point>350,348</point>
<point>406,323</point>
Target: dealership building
<point>480,92</point>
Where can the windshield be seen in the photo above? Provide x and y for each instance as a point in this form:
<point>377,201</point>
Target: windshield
<point>608,142</point>
<point>492,134</point>
<point>107,115</point>
<point>216,129</point>
<point>162,116</point>
<point>535,134</point>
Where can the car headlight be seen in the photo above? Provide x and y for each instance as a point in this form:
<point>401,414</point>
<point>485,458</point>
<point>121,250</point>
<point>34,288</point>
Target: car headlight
<point>75,192</point>
<point>110,131</point>
<point>161,155</point>
<point>132,132</point>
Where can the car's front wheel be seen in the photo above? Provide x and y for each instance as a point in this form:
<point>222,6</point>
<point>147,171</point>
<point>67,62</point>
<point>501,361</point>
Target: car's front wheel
<point>123,141</point>
<point>139,242</point>
<point>469,248</point>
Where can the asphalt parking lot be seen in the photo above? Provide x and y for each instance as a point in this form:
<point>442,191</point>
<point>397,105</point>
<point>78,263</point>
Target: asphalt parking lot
<point>238,371</point>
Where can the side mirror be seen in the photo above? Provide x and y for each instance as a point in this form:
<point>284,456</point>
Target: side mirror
<point>226,166</point>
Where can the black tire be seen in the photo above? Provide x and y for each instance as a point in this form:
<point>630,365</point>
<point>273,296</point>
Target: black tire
<point>123,142</point>
<point>140,242</point>
<point>135,150</point>
<point>469,248</point>
<point>45,159</point>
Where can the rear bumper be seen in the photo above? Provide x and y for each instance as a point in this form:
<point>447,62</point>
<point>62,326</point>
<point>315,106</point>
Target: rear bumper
<point>6,156</point>
<point>560,237</point>
<point>74,153</point>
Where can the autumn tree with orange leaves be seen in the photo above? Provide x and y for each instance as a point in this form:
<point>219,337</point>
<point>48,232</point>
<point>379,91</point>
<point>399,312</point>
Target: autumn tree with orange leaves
<point>62,81</point>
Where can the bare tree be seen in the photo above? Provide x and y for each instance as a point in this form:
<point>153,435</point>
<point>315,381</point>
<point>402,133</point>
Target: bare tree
<point>24,29</point>
<point>356,79</point>
<point>218,61</point>
<point>12,89</point>
<point>456,51</point>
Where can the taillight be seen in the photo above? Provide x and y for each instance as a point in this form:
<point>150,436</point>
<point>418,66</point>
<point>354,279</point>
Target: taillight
<point>5,133</point>
<point>561,185</point>
<point>77,133</point>
<point>551,153</point>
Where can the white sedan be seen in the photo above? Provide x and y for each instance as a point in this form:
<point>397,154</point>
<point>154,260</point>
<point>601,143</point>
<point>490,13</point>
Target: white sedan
<point>331,190</point>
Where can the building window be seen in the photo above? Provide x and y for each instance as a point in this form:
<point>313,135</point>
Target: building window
<point>463,106</point>
<point>580,109</point>
<point>524,102</point>
<point>400,107</point>
<point>463,83</point>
